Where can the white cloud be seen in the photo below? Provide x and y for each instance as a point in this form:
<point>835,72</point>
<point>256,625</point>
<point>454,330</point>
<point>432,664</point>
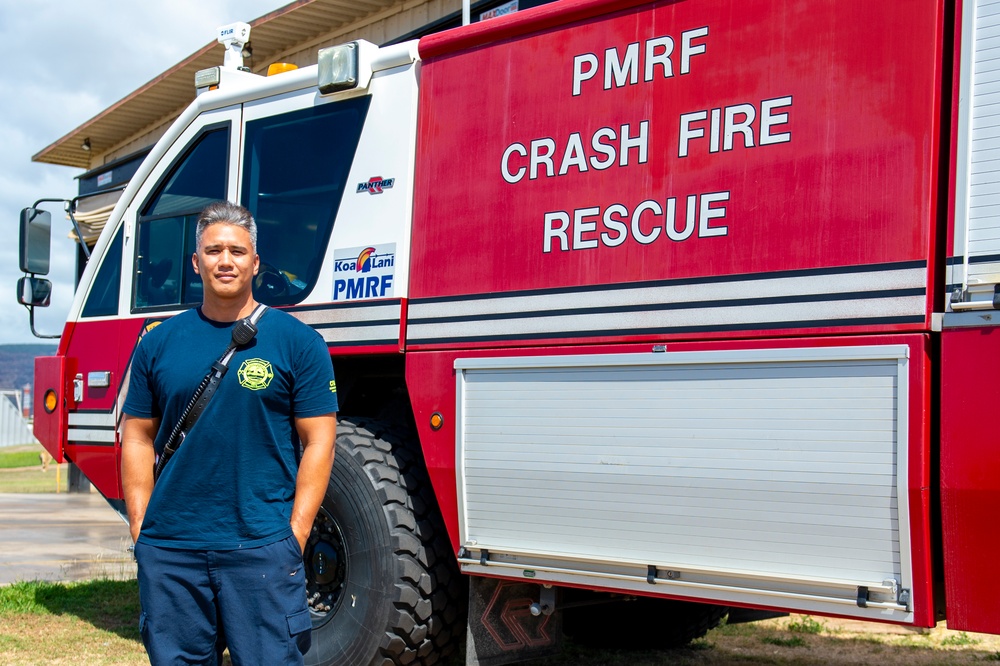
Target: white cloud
<point>64,63</point>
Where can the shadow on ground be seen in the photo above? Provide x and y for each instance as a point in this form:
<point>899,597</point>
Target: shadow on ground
<point>112,605</point>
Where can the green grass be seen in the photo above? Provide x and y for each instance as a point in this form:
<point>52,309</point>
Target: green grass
<point>93,622</point>
<point>794,641</point>
<point>34,480</point>
<point>21,471</point>
<point>19,459</point>
<point>738,629</point>
<point>872,640</point>
<point>114,601</point>
<point>14,644</point>
<point>805,625</point>
<point>960,639</point>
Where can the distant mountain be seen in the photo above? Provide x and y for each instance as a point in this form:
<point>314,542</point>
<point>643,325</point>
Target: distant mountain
<point>17,363</point>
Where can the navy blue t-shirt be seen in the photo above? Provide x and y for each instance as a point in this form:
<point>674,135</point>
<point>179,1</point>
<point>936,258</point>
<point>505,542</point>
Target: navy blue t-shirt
<point>232,482</point>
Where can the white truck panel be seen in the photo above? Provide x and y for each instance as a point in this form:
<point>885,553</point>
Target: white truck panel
<point>977,186</point>
<point>640,308</point>
<point>386,148</point>
<point>753,473</point>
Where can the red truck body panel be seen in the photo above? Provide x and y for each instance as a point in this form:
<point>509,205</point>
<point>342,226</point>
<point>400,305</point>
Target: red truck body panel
<point>970,477</point>
<point>843,175</point>
<point>434,373</point>
<point>969,465</point>
<point>709,151</point>
<point>91,442</point>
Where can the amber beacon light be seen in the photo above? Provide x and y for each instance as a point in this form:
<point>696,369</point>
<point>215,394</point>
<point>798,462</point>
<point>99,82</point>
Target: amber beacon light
<point>280,68</point>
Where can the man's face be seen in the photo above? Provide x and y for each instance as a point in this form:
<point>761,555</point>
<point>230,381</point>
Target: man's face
<point>225,261</point>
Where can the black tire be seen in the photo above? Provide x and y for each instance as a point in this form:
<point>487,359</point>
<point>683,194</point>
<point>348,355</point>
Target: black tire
<point>383,583</point>
<point>641,624</point>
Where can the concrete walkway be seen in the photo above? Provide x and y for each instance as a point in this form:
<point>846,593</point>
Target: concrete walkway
<point>62,537</point>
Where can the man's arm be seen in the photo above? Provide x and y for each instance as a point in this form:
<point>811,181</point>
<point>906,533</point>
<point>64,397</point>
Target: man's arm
<point>317,434</point>
<point>138,457</point>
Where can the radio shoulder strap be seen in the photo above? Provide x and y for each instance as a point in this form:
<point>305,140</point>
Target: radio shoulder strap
<point>215,375</point>
<point>243,332</point>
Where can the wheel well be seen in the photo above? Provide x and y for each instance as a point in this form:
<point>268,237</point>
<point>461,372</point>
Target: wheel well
<point>373,386</point>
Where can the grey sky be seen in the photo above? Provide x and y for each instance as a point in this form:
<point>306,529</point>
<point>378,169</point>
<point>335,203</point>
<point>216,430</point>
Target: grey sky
<point>64,62</point>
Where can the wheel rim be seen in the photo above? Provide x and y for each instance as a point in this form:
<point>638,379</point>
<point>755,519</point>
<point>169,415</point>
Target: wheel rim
<point>326,567</point>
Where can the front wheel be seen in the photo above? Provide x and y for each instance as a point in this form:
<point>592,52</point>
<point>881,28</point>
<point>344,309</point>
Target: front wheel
<point>383,585</point>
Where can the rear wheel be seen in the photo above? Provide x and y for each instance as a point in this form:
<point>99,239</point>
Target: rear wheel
<point>383,585</point>
<point>641,624</point>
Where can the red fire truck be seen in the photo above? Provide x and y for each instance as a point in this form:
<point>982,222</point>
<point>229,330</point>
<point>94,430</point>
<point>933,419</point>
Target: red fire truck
<point>676,306</point>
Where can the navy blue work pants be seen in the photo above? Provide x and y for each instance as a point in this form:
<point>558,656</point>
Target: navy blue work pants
<point>195,603</point>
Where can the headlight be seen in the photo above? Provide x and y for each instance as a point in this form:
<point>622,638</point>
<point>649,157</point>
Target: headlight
<point>338,68</point>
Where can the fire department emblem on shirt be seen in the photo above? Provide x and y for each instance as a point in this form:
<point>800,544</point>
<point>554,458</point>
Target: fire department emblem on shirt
<point>255,374</point>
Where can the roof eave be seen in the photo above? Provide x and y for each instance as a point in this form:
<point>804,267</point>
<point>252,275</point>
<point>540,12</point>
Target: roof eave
<point>144,108</point>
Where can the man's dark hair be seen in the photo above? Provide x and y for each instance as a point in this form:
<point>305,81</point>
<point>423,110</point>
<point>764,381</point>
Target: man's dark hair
<point>226,212</point>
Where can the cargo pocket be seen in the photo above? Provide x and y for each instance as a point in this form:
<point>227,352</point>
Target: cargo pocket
<point>300,630</point>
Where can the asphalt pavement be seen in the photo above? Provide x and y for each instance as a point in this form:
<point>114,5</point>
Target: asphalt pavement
<point>62,537</point>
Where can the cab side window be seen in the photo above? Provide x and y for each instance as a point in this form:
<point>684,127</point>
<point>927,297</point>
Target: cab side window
<point>295,170</point>
<point>165,231</point>
<point>102,301</point>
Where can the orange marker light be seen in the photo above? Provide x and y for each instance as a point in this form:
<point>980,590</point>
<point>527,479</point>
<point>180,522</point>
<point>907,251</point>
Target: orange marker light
<point>436,421</point>
<point>51,401</point>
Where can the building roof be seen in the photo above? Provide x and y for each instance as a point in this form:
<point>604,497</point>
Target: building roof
<point>272,36</point>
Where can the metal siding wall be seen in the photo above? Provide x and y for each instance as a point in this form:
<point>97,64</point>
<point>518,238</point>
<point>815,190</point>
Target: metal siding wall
<point>773,468</point>
<point>14,430</point>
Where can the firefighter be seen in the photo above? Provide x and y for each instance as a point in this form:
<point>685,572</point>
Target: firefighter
<point>220,533</point>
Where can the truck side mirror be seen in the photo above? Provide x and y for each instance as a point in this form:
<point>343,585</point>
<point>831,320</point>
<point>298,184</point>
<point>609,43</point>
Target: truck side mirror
<point>34,291</point>
<point>36,232</point>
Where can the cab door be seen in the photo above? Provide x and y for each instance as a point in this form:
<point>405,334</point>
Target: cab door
<point>142,275</point>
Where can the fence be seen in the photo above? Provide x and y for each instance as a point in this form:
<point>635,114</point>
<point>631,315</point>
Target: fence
<point>14,428</point>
